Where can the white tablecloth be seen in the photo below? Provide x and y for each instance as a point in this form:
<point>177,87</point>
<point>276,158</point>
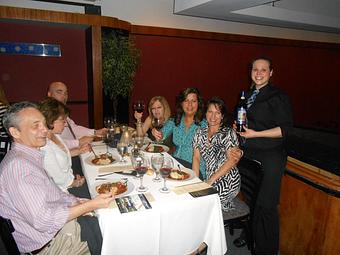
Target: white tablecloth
<point>176,224</point>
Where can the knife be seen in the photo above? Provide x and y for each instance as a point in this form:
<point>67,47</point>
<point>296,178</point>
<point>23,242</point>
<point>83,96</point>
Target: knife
<point>132,173</point>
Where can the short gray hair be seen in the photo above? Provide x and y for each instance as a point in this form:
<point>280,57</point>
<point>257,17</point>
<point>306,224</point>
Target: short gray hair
<point>11,118</point>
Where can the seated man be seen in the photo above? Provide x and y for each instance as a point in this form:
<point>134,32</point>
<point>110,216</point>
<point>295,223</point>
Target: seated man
<point>74,135</point>
<point>43,216</point>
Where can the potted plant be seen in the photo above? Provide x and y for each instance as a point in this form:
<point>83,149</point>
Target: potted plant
<point>120,60</point>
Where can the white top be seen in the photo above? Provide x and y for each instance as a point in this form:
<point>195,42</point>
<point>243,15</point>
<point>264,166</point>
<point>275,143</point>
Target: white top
<point>58,164</point>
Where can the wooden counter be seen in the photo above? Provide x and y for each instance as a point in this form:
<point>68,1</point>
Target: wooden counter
<point>309,211</point>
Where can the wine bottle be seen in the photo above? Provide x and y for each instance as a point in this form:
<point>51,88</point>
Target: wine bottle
<point>241,118</point>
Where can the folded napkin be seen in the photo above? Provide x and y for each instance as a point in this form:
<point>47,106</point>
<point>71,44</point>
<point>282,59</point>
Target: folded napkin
<point>115,168</point>
<point>190,187</point>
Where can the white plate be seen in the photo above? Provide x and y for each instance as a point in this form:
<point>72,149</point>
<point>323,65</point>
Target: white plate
<point>152,145</point>
<point>88,160</point>
<point>130,187</point>
<point>185,170</point>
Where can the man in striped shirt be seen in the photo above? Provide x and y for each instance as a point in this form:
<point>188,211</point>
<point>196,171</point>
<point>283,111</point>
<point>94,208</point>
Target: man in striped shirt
<point>42,215</point>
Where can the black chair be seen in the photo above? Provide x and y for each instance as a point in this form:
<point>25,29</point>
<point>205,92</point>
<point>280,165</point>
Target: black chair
<point>241,217</point>
<point>5,145</point>
<point>6,230</point>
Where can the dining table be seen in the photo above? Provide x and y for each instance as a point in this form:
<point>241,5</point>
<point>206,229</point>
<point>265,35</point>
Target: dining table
<point>176,223</point>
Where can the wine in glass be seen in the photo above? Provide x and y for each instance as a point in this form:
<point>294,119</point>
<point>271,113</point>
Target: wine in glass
<point>157,161</point>
<point>122,150</point>
<point>165,171</point>
<point>141,165</point>
<point>139,106</point>
<point>157,123</point>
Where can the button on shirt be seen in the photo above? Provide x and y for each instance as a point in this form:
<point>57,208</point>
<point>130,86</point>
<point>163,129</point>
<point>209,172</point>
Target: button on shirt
<point>37,208</point>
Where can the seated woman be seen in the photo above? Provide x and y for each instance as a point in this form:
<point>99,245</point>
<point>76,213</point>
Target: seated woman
<point>158,109</point>
<point>185,124</point>
<point>214,144</point>
<point>57,160</point>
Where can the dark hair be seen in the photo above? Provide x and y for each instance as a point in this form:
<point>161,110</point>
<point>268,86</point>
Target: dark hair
<point>220,105</point>
<point>52,109</point>
<point>270,62</point>
<point>11,118</point>
<point>181,98</point>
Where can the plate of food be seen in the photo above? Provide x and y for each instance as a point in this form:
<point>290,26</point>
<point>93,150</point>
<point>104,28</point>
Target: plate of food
<point>118,188</point>
<point>102,160</point>
<point>156,148</point>
<point>180,175</point>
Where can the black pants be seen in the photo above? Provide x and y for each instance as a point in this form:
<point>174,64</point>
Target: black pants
<point>266,218</point>
<point>90,230</point>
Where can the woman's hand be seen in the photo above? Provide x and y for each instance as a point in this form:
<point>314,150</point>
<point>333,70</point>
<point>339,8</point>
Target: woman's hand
<point>234,154</point>
<point>157,134</point>
<point>78,181</point>
<point>248,133</point>
<point>138,116</point>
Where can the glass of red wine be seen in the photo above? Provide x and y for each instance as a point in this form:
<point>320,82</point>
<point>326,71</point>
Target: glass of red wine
<point>139,106</point>
<point>157,123</point>
<point>165,171</point>
<point>141,165</point>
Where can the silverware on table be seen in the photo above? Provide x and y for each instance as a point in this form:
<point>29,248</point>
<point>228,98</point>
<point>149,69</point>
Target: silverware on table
<point>95,155</point>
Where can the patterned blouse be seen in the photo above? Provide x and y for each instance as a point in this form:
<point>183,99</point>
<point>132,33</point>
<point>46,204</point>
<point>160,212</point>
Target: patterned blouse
<point>3,109</point>
<point>214,153</point>
<point>182,139</point>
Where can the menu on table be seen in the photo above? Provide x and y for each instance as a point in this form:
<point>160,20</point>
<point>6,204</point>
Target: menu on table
<point>133,203</point>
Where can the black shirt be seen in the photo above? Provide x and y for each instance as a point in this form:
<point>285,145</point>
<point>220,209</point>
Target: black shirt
<point>270,109</point>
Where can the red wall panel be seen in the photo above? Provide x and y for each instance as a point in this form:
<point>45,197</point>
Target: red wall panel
<point>27,77</point>
<point>309,75</point>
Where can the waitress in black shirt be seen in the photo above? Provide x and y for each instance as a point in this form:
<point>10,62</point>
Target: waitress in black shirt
<point>269,117</point>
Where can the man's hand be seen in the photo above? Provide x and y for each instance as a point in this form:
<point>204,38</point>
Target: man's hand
<point>248,133</point>
<point>85,140</point>
<point>101,132</point>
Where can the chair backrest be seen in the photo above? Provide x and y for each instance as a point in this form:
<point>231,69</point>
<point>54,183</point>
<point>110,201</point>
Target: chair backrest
<point>251,176</point>
<point>5,145</point>
<point>6,229</point>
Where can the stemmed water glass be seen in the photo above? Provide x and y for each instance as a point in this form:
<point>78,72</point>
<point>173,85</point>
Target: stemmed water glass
<point>122,150</point>
<point>165,171</point>
<point>157,161</point>
<point>141,165</point>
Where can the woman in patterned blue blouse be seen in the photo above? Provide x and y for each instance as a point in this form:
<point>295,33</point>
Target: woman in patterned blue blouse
<point>216,145</point>
<point>189,111</point>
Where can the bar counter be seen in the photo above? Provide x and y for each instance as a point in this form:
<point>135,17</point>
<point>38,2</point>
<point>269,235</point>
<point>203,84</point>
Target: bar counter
<point>310,195</point>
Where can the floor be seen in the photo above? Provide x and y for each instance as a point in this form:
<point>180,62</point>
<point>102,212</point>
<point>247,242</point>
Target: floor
<point>232,249</point>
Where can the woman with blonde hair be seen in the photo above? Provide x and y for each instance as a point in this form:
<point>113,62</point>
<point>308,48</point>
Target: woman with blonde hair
<point>3,108</point>
<point>158,108</point>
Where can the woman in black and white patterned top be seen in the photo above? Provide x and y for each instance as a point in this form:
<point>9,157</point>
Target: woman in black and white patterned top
<point>217,144</point>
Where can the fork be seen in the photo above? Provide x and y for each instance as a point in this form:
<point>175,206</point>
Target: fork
<point>95,155</point>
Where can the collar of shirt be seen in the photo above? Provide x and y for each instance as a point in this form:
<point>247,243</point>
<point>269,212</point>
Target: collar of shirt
<point>33,153</point>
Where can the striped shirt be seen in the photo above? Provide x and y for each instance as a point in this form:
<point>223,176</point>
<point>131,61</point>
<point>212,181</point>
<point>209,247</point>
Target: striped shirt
<point>37,208</point>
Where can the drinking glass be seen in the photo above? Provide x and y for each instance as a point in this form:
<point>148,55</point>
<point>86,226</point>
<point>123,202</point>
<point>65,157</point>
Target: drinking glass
<point>157,123</point>
<point>141,165</point>
<point>122,150</point>
<point>157,161</point>
<point>165,171</point>
<point>139,106</point>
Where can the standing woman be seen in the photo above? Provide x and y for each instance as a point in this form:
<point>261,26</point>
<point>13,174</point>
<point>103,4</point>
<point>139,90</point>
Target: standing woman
<point>3,108</point>
<point>269,117</point>
<point>188,118</point>
<point>214,144</point>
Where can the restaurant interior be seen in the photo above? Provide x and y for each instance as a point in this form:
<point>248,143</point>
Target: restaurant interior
<point>189,45</point>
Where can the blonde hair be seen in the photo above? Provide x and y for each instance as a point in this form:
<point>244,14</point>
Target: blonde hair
<point>165,104</point>
<point>3,98</point>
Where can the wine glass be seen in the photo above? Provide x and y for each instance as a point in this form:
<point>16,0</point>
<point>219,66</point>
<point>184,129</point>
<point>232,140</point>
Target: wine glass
<point>157,123</point>
<point>122,150</point>
<point>139,106</point>
<point>165,171</point>
<point>157,161</point>
<point>139,141</point>
<point>141,165</point>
